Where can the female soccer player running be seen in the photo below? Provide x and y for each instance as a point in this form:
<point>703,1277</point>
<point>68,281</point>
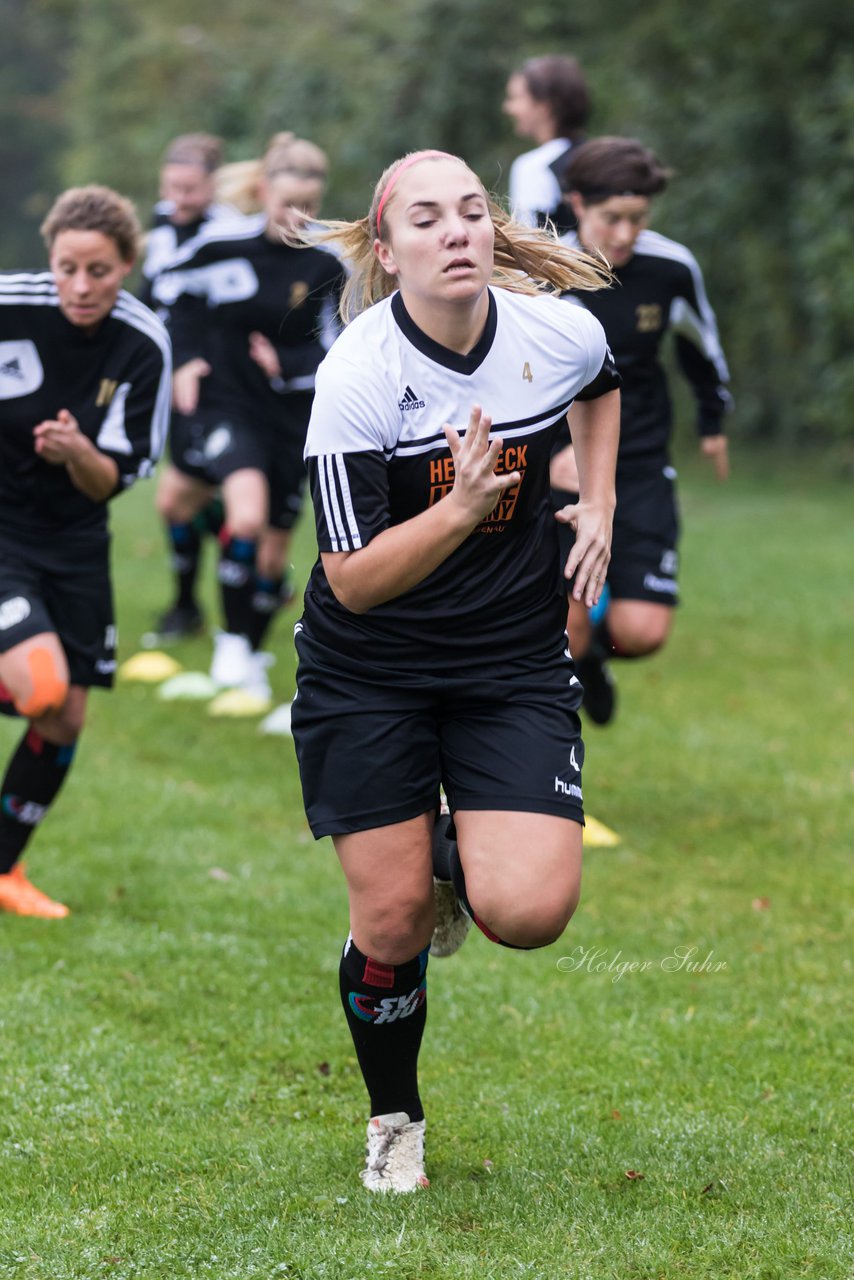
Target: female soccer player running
<point>611,183</point>
<point>188,202</point>
<point>84,403</point>
<point>251,319</point>
<point>432,649</point>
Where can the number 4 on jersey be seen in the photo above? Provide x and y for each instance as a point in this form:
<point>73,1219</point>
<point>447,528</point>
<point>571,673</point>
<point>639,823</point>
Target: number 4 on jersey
<point>526,372</point>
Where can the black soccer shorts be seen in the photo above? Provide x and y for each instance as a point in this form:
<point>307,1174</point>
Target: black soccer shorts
<point>373,747</point>
<point>65,589</point>
<point>285,468</point>
<point>210,445</point>
<point>644,557</point>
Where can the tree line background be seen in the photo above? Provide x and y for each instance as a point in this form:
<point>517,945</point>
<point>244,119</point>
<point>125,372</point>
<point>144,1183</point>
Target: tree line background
<point>751,103</point>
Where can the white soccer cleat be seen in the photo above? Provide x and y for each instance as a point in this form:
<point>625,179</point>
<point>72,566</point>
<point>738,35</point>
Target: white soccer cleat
<point>452,922</point>
<point>395,1159</point>
<point>253,696</point>
<point>278,721</point>
<point>232,660</point>
<point>257,682</point>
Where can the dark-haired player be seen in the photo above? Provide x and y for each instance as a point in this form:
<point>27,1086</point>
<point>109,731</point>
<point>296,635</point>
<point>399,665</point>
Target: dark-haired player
<point>547,99</point>
<point>659,290</point>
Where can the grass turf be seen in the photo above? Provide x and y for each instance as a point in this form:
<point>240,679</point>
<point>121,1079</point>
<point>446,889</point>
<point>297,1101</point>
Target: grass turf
<point>180,1097</point>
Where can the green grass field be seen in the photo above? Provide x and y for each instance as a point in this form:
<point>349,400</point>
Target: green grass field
<point>180,1095</point>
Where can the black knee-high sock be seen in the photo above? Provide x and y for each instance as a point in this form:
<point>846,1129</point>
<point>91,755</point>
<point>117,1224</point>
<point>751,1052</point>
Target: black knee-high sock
<point>458,878</point>
<point>33,778</point>
<point>266,602</point>
<point>186,545</point>
<point>386,1009</point>
<point>237,580</point>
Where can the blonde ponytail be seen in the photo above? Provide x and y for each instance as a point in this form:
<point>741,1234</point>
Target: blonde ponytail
<point>239,184</point>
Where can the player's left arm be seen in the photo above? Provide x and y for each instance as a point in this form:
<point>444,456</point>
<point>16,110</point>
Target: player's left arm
<point>702,361</point>
<point>133,432</point>
<point>595,426</point>
<point>131,435</point>
<point>284,361</point>
<point>60,441</point>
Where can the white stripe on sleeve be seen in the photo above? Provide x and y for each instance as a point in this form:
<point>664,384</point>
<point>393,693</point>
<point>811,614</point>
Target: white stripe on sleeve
<point>355,536</point>
<point>113,436</point>
<point>323,477</point>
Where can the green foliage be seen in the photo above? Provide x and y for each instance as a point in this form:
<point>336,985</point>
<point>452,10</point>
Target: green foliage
<point>752,104</point>
<point>180,1095</point>
<point>32,127</point>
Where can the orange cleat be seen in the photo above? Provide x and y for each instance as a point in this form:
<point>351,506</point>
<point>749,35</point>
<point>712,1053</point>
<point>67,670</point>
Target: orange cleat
<point>21,898</point>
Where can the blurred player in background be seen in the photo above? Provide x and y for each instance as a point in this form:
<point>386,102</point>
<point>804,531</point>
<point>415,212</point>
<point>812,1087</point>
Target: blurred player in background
<point>252,316</point>
<point>84,405</point>
<point>189,201</point>
<point>659,290</point>
<point>547,99</point>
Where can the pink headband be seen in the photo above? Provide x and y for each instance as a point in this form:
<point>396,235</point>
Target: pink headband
<point>401,168</point>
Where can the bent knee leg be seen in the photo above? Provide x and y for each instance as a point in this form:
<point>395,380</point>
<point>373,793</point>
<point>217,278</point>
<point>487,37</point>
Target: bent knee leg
<point>48,684</point>
<point>538,927</point>
<point>524,920</point>
<point>639,644</point>
<point>638,628</point>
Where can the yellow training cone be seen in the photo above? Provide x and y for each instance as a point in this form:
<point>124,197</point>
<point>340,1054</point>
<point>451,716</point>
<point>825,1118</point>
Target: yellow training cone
<point>151,667</point>
<point>239,703</point>
<point>597,835</point>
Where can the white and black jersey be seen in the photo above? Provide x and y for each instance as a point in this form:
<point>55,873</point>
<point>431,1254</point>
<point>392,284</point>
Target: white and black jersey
<point>534,184</point>
<point>247,282</point>
<point>165,239</point>
<point>115,382</point>
<point>377,456</point>
<point>660,289</point>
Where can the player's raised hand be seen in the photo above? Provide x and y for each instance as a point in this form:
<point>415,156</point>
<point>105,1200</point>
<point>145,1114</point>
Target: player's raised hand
<point>476,486</point>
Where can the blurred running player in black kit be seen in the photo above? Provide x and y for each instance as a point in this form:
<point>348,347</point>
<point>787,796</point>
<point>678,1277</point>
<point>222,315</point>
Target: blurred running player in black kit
<point>252,317</point>
<point>432,649</point>
<point>611,182</point>
<point>84,404</point>
<point>188,188</point>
